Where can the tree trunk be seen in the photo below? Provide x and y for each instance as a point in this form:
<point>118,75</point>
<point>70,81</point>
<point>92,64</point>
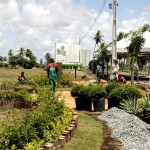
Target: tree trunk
<point>107,68</point>
<point>132,74</point>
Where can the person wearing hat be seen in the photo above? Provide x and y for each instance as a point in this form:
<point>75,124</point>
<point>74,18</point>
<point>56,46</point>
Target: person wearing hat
<point>52,72</point>
<point>115,65</point>
<point>99,72</point>
<point>113,77</point>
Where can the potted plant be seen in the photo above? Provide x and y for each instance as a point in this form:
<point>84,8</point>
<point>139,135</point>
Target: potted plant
<point>97,94</point>
<point>110,87</point>
<point>75,92</point>
<point>82,100</point>
<point>115,96</point>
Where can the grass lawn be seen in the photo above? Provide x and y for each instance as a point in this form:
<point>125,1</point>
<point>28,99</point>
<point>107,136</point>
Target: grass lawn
<point>88,135</point>
<point>12,74</point>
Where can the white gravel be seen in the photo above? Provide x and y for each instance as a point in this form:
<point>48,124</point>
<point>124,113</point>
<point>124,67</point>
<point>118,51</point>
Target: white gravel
<point>129,129</point>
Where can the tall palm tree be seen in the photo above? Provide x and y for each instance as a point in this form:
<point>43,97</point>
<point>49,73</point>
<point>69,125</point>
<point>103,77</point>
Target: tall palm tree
<point>10,53</point>
<point>4,59</point>
<point>29,53</point>
<point>137,42</point>
<point>104,55</point>
<point>98,38</point>
<point>21,52</point>
<point>1,59</point>
<point>47,57</point>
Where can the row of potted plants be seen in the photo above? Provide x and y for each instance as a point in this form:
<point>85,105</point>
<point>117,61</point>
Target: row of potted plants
<point>96,94</point>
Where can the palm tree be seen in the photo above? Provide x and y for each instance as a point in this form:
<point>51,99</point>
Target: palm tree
<point>104,55</point>
<point>137,42</point>
<point>1,59</point>
<point>21,52</point>
<point>41,61</point>
<point>10,53</point>
<point>4,59</point>
<point>98,38</point>
<point>47,57</point>
<point>28,53</point>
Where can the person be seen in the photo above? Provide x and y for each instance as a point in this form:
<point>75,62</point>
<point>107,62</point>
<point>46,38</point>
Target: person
<point>99,72</point>
<point>148,69</point>
<point>121,80</point>
<point>22,78</point>
<point>115,67</point>
<point>113,78</point>
<point>52,72</point>
<point>136,71</point>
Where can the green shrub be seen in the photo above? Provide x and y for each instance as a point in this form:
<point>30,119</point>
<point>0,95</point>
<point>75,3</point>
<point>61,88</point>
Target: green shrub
<point>115,97</point>
<point>110,87</point>
<point>117,94</point>
<point>66,80</point>
<point>76,90</point>
<point>97,92</point>
<point>38,80</point>
<point>131,92</point>
<point>43,123</point>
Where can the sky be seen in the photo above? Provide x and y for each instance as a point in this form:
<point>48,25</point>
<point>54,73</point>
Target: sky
<point>40,24</point>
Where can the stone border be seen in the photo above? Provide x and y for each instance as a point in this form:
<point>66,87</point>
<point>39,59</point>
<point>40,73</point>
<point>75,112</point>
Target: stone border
<point>65,137</point>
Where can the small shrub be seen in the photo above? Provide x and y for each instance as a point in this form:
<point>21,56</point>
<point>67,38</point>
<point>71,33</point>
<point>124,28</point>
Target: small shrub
<point>131,106</point>
<point>66,80</point>
<point>115,97</point>
<point>110,87</point>
<point>97,92</point>
<point>38,80</point>
<point>131,91</point>
<point>75,91</point>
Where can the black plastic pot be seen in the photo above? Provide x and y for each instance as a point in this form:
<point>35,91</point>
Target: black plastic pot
<point>99,104</point>
<point>83,104</point>
<point>112,103</point>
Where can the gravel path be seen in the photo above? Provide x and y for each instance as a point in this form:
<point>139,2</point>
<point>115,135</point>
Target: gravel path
<point>129,129</point>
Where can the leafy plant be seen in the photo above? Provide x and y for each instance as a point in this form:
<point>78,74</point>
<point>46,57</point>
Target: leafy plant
<point>66,80</point>
<point>131,106</point>
<point>76,90</point>
<point>97,92</point>
<point>110,87</point>
<point>131,91</point>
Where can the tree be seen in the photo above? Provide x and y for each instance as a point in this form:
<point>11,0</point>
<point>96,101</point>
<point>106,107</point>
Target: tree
<point>21,52</point>
<point>98,38</point>
<point>10,53</point>
<point>47,57</point>
<point>28,53</point>
<point>137,42</point>
<point>104,55</point>
<point>41,61</point>
<point>4,59</point>
<point>1,59</point>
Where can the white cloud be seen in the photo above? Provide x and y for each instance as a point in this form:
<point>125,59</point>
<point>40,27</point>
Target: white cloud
<point>39,24</point>
<point>131,11</point>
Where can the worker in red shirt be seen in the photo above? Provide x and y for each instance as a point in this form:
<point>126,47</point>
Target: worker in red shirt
<point>52,72</point>
<point>122,80</point>
<point>22,78</point>
<point>113,77</point>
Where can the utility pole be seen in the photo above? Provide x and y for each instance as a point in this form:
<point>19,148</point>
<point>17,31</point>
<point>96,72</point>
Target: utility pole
<point>114,31</point>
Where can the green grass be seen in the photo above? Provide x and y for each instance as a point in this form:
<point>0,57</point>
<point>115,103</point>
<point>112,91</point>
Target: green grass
<point>88,135</point>
<point>12,74</point>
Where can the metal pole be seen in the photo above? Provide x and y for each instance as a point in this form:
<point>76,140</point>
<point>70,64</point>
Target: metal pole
<point>114,31</point>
